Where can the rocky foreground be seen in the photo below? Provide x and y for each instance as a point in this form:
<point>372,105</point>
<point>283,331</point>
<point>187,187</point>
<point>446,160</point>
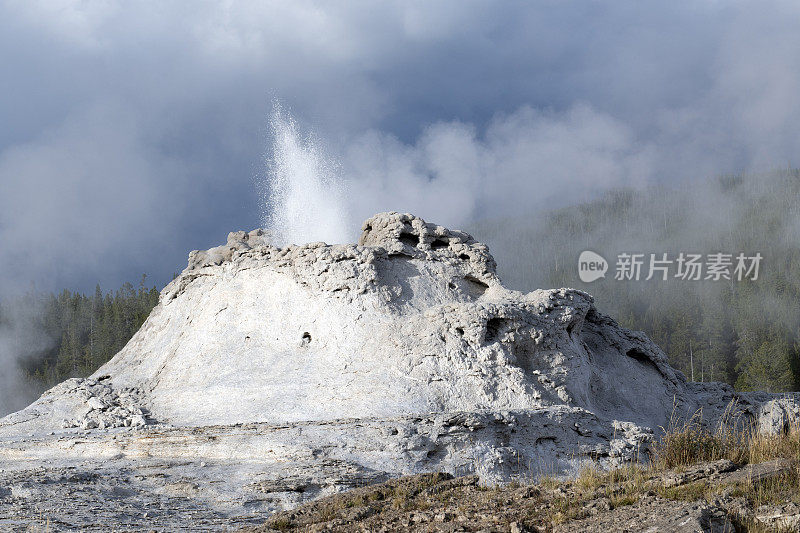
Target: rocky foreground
<point>713,497</point>
<point>268,377</point>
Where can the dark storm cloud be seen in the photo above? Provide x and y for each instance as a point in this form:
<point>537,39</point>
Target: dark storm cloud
<point>132,132</point>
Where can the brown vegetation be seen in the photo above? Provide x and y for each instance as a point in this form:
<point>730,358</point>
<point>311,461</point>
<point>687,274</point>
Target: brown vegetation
<point>729,478</point>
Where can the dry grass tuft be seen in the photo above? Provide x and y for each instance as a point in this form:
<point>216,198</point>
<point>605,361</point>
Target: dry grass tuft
<point>688,442</point>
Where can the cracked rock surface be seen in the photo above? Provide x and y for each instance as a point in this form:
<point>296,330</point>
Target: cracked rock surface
<point>317,367</point>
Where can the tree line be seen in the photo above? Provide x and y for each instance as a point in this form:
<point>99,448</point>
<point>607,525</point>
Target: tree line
<point>71,334</point>
<point>745,333</point>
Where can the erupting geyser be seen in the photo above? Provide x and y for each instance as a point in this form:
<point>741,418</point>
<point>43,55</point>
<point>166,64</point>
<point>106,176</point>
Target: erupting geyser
<point>293,372</point>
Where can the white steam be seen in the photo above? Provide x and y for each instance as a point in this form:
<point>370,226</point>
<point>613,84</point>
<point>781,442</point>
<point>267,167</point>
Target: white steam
<point>453,174</point>
<point>21,336</point>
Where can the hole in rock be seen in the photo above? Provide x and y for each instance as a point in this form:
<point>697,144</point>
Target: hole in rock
<point>436,453</point>
<point>639,355</point>
<point>642,357</point>
<point>306,339</point>
<point>597,455</point>
<point>460,331</point>
<point>493,327</point>
<point>439,243</point>
<point>571,328</point>
<point>464,257</point>
<point>476,286</point>
<point>409,239</point>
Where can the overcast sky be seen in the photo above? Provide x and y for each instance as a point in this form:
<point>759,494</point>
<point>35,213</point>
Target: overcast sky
<point>133,132</point>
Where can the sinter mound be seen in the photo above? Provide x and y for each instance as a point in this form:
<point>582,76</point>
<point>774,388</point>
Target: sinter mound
<point>344,364</point>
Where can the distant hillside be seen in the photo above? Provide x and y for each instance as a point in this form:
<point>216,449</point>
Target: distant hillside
<point>742,332</point>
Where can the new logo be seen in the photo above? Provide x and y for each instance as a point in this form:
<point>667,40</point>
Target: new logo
<point>591,266</point>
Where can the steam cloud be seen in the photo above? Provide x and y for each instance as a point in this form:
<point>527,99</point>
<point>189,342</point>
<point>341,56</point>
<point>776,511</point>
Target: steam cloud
<point>20,337</point>
<point>524,161</point>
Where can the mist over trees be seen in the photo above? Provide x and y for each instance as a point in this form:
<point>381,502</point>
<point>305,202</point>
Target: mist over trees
<point>74,333</point>
<point>746,333</point>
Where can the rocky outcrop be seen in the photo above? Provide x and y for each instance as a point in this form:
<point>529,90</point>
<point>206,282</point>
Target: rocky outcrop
<point>401,354</point>
<point>779,415</point>
<point>107,407</point>
<point>84,404</point>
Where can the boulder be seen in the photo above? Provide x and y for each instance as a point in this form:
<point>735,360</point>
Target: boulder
<point>779,416</point>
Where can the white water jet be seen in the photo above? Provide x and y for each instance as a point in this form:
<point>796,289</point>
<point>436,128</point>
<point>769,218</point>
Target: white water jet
<point>304,193</point>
